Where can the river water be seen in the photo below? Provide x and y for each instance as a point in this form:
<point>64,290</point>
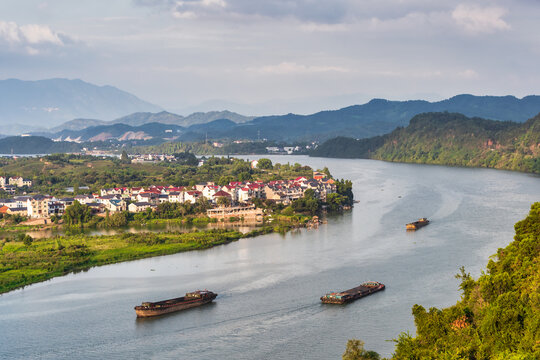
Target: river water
<point>269,287</point>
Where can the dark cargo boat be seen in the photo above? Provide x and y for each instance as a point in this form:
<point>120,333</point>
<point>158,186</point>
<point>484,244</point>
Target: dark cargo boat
<point>192,299</point>
<point>417,224</point>
<point>358,292</point>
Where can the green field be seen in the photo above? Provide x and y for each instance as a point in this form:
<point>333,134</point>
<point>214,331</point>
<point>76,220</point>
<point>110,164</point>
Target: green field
<point>23,264</point>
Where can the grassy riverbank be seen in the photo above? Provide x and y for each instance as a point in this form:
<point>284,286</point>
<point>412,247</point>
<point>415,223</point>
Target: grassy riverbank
<point>24,264</point>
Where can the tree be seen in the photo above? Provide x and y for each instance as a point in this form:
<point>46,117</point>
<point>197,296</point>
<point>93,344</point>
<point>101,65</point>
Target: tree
<point>307,204</point>
<point>77,214</point>
<point>344,187</point>
<point>241,166</point>
<point>223,201</point>
<point>27,240</point>
<point>264,164</point>
<point>335,201</point>
<point>124,158</point>
<point>186,158</point>
<point>201,205</point>
<point>118,219</point>
<point>225,180</point>
<point>326,171</point>
<point>355,351</point>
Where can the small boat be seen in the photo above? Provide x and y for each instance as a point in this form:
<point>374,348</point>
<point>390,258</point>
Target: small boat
<point>417,224</point>
<point>358,292</point>
<point>192,299</point>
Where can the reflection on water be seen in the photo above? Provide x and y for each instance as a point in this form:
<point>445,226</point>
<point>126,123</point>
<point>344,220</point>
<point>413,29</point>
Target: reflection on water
<point>164,227</point>
<point>269,286</point>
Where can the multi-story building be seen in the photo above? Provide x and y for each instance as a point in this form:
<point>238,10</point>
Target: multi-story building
<point>38,206</point>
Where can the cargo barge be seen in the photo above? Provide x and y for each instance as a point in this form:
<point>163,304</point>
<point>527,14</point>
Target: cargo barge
<point>417,224</point>
<point>192,299</point>
<point>358,292</point>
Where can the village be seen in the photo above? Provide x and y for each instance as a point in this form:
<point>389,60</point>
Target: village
<point>231,200</point>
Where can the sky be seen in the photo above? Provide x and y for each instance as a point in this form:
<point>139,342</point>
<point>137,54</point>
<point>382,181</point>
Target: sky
<point>276,56</point>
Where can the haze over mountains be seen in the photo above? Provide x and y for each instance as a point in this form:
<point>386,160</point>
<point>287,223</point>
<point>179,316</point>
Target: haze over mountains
<point>164,117</point>
<point>76,110</point>
<point>48,103</point>
<point>376,117</point>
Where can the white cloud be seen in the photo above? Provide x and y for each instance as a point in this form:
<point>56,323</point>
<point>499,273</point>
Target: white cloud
<point>9,32</point>
<point>36,34</point>
<point>31,51</point>
<point>468,74</point>
<point>219,3</point>
<point>294,68</point>
<point>475,19</point>
<point>323,28</point>
<point>184,14</point>
<point>31,38</point>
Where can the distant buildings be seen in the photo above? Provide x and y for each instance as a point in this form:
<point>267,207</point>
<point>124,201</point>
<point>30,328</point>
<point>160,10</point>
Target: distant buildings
<point>137,199</point>
<point>12,182</point>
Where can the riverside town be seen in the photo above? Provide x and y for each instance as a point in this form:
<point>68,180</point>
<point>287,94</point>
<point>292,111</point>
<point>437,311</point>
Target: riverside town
<point>139,199</point>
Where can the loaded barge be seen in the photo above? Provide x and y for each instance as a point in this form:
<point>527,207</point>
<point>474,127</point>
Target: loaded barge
<point>358,292</point>
<point>192,299</point>
<point>417,224</point>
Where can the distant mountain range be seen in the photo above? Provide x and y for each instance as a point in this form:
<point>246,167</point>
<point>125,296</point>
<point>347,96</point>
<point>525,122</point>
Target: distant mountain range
<point>47,103</point>
<point>380,116</point>
<point>35,145</point>
<point>156,132</point>
<point>449,139</point>
<point>376,117</point>
<point>73,109</point>
<point>164,117</point>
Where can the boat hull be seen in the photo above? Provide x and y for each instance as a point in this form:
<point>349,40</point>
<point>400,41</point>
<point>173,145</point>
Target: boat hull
<point>145,311</point>
<point>352,295</point>
<point>416,225</point>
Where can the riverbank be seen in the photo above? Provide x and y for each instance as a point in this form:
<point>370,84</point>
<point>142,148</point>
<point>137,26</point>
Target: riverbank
<point>24,264</point>
<point>270,285</point>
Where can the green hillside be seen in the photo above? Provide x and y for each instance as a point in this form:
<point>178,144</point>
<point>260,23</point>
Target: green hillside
<point>35,145</point>
<point>449,139</point>
<point>498,316</point>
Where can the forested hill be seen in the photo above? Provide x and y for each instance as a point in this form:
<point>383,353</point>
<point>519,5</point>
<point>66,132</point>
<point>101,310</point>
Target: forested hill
<point>498,316</point>
<point>449,139</point>
<point>35,145</point>
<point>380,116</point>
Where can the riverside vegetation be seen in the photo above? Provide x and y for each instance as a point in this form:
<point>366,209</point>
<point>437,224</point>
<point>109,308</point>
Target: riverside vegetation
<point>449,139</point>
<point>24,261</point>
<point>498,316</point>
<point>52,174</point>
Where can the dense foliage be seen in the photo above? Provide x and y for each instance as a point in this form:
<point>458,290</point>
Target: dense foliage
<point>498,316</point>
<point>77,214</point>
<point>54,173</point>
<point>208,148</point>
<point>24,262</point>
<point>35,145</point>
<point>355,351</point>
<point>449,139</point>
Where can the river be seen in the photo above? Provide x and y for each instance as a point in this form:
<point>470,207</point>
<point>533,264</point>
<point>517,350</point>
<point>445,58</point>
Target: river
<point>269,287</point>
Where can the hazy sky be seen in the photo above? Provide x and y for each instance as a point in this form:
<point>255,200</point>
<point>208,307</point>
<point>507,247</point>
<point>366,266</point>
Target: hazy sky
<point>277,55</point>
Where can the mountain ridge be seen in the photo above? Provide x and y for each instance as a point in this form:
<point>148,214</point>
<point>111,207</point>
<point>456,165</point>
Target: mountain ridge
<point>45,103</point>
<point>449,139</point>
<point>163,117</point>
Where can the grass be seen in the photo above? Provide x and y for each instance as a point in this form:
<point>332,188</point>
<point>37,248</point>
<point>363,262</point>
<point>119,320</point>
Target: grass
<point>21,265</point>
